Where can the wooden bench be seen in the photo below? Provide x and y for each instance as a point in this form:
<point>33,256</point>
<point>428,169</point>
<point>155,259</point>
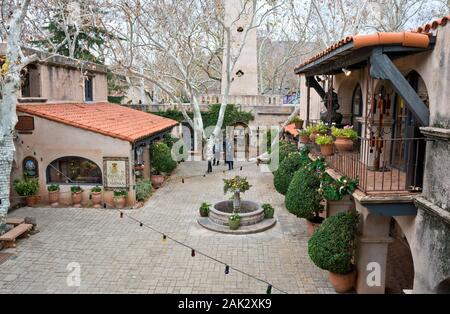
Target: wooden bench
<point>15,221</point>
<point>9,238</point>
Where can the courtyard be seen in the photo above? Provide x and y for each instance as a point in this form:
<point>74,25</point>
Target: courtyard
<point>118,256</point>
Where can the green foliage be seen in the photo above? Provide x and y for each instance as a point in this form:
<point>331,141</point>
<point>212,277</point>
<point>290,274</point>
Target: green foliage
<point>320,127</point>
<point>335,190</point>
<point>295,119</point>
<point>143,189</point>
<point>96,189</point>
<point>237,184</point>
<point>173,114</point>
<point>332,245</point>
<point>347,132</point>
<point>290,165</point>
<point>120,193</point>
<point>303,197</point>
<point>231,117</point>
<point>269,211</point>
<point>161,158</point>
<point>324,140</point>
<point>234,217</point>
<point>169,140</point>
<point>76,189</point>
<point>205,207</point>
<point>304,132</point>
<point>53,187</point>
<point>26,187</point>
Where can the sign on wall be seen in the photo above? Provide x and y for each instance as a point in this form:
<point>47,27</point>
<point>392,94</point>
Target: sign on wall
<point>116,173</point>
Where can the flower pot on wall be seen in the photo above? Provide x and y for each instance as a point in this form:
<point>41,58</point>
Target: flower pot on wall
<point>31,200</point>
<point>53,198</point>
<point>304,139</point>
<point>327,150</point>
<point>299,125</point>
<point>96,199</point>
<point>157,180</point>
<point>76,199</point>
<point>343,144</point>
<point>119,202</point>
<point>342,206</point>
<point>343,283</point>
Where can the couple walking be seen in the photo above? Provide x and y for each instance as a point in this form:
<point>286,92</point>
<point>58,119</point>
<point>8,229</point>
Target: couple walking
<point>214,157</point>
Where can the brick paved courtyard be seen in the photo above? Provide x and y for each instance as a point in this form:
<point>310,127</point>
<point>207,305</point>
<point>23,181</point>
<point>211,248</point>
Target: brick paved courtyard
<point>118,256</point>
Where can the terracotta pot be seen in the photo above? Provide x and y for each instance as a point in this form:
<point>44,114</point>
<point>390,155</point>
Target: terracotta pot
<point>313,225</point>
<point>304,139</point>
<point>96,199</point>
<point>119,202</point>
<point>157,180</point>
<point>343,283</point>
<point>299,125</point>
<point>76,199</point>
<point>313,136</point>
<point>343,144</point>
<point>31,200</point>
<point>327,150</point>
<point>53,198</point>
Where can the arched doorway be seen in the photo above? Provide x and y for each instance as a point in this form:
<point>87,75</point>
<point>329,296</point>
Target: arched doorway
<point>241,135</point>
<point>357,109</point>
<point>74,170</point>
<point>399,264</point>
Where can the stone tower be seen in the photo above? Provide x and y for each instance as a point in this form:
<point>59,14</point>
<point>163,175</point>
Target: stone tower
<point>245,73</point>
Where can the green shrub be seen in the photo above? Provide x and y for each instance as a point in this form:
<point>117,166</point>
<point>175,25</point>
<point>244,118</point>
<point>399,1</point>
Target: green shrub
<point>26,187</point>
<point>120,193</point>
<point>335,190</point>
<point>269,211</point>
<point>143,189</point>
<point>296,119</point>
<point>169,140</point>
<point>303,197</point>
<point>324,140</point>
<point>53,187</point>
<point>161,158</point>
<point>290,165</point>
<point>347,132</point>
<point>76,189</point>
<point>305,132</point>
<point>96,189</point>
<point>332,245</point>
<point>205,207</point>
<point>285,148</point>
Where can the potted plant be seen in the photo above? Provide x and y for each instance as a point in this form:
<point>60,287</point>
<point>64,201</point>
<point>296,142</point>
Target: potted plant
<point>290,165</point>
<point>317,130</point>
<point>96,196</point>
<point>326,144</point>
<point>332,247</point>
<point>304,198</point>
<point>338,193</point>
<point>53,194</point>
<point>162,163</point>
<point>27,188</point>
<point>77,193</point>
<point>237,185</point>
<point>204,209</point>
<point>304,136</point>
<point>234,221</point>
<point>269,211</point>
<point>298,122</point>
<point>120,198</point>
<point>344,138</point>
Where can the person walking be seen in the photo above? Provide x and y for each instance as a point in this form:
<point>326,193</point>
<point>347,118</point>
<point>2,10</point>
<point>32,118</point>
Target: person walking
<point>217,151</point>
<point>230,155</point>
<point>209,156</point>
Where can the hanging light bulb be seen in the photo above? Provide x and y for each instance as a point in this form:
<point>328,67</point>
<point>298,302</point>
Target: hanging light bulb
<point>164,238</point>
<point>193,253</point>
<point>141,224</point>
<point>121,215</point>
<point>227,270</point>
<point>269,289</point>
<point>346,72</point>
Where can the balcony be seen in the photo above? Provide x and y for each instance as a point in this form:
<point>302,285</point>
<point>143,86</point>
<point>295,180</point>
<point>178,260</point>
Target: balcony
<point>383,166</point>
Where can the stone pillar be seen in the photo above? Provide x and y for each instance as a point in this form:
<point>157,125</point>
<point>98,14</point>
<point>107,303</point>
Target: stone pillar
<point>371,252</point>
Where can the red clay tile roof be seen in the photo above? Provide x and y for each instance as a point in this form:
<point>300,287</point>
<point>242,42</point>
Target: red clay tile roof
<point>104,118</point>
<point>291,129</point>
<point>418,39</point>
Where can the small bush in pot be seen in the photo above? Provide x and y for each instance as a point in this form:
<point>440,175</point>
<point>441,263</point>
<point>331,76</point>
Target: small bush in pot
<point>304,136</point>
<point>53,194</point>
<point>234,221</point>
<point>269,211</point>
<point>332,247</point>
<point>344,138</point>
<point>326,144</point>
<point>27,188</point>
<point>96,196</point>
<point>204,209</point>
<point>237,185</point>
<point>161,158</point>
<point>120,198</point>
<point>297,121</point>
<point>285,148</point>
<point>143,190</point>
<point>77,193</point>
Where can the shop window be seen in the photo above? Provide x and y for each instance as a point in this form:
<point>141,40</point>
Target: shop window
<point>74,170</point>
<point>30,167</point>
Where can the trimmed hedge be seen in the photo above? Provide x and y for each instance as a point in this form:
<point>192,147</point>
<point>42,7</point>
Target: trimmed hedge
<point>290,165</point>
<point>161,158</point>
<point>331,247</point>
<point>285,148</point>
<point>143,189</point>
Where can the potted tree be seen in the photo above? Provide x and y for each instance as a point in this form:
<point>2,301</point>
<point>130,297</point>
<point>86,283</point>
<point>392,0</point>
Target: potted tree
<point>77,193</point>
<point>326,145</point>
<point>53,194</point>
<point>338,193</point>
<point>237,185</point>
<point>332,247</point>
<point>96,197</point>
<point>234,221</point>
<point>162,163</point>
<point>204,209</point>
<point>303,198</point>
<point>290,165</point>
<point>269,211</point>
<point>120,199</point>
<point>298,122</point>
<point>304,136</point>
<point>344,138</point>
<point>27,188</point>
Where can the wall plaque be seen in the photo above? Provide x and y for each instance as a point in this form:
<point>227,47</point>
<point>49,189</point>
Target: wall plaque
<point>116,173</point>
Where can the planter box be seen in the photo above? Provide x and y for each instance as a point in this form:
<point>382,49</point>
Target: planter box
<point>342,206</point>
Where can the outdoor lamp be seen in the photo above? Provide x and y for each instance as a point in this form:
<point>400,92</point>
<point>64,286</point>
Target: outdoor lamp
<point>346,72</point>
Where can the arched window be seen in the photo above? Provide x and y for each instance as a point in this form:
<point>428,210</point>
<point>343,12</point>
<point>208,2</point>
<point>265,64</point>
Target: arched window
<point>75,170</point>
<point>357,108</point>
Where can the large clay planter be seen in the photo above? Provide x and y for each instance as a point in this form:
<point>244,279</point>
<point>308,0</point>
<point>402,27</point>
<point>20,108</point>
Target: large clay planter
<point>299,125</point>
<point>119,202</point>
<point>76,199</point>
<point>313,225</point>
<point>342,206</point>
<point>343,283</point>
<point>327,150</point>
<point>31,200</point>
<point>96,199</point>
<point>157,180</point>
<point>53,198</point>
<point>304,139</point>
<point>343,144</point>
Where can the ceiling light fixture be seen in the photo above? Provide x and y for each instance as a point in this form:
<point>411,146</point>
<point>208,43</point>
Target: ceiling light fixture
<point>346,72</point>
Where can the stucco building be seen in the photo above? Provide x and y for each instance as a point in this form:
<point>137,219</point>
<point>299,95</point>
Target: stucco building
<point>394,88</point>
<point>69,134</point>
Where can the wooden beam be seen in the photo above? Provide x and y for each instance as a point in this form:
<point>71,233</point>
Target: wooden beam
<point>383,68</point>
<point>311,82</point>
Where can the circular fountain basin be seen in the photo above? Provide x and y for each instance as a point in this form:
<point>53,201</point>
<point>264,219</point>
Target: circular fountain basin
<point>251,213</point>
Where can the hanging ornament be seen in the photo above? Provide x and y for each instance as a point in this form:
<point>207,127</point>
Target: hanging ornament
<point>193,253</point>
<point>269,289</point>
<point>121,215</point>
<point>164,238</point>
<point>227,270</point>
<point>182,180</point>
<point>141,224</point>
